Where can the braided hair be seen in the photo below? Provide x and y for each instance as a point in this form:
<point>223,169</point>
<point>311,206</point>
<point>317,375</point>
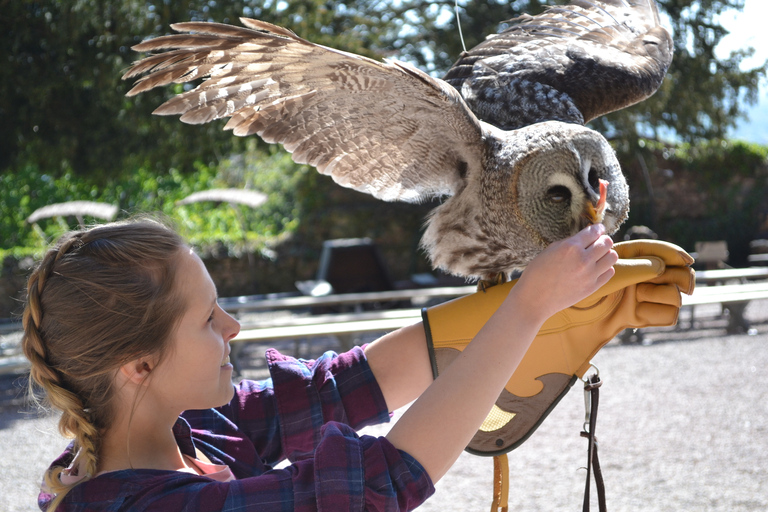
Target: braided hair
<point>98,299</point>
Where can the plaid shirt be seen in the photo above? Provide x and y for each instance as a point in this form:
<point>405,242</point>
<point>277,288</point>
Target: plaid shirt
<point>306,412</point>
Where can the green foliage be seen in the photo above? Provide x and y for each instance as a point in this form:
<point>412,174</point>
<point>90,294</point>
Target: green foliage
<point>239,229</point>
<point>707,190</point>
<point>714,159</point>
<point>62,101</point>
<point>211,227</point>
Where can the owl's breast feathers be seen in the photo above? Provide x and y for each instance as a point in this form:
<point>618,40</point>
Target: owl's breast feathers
<point>464,241</point>
<point>478,231</point>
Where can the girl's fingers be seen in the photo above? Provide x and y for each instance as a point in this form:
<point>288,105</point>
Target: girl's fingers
<point>606,276</point>
<point>607,256</point>
<point>589,235</point>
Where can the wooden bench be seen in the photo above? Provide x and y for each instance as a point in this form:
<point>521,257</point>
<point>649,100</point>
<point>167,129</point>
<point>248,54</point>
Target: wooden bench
<point>293,320</point>
<point>711,255</point>
<point>758,252</point>
<point>733,298</point>
<point>329,325</point>
<point>721,276</point>
<point>297,322</point>
<point>758,259</point>
<point>731,288</point>
<point>242,305</point>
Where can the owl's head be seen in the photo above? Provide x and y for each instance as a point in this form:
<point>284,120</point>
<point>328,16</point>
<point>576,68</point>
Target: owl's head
<point>554,178</point>
<point>536,185</point>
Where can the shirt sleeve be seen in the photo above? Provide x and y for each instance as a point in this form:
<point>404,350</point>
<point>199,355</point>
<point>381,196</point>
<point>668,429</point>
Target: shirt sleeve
<point>390,479</point>
<point>284,416</point>
<point>348,473</point>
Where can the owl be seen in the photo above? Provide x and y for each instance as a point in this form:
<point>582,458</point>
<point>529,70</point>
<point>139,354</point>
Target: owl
<point>502,139</point>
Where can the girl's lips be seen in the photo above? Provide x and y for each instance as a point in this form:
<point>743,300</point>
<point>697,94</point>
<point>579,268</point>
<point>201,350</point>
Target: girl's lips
<point>226,360</point>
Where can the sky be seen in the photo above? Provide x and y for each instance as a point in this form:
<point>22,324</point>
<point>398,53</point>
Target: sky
<point>747,28</point>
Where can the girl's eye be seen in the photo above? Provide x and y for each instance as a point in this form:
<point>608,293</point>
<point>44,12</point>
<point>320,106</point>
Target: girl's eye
<point>210,318</point>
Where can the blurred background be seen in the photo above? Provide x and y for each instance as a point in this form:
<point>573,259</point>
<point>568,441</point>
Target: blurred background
<point>694,154</point>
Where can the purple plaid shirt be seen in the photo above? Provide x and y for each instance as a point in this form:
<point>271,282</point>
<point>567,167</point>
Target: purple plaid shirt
<point>306,412</point>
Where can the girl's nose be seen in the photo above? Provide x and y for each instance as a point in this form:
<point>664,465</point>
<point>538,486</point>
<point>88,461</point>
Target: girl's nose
<point>231,327</point>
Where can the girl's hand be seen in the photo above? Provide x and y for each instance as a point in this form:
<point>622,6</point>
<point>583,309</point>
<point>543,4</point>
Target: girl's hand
<point>568,271</point>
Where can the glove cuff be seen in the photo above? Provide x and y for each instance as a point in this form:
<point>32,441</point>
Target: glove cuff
<point>430,344</point>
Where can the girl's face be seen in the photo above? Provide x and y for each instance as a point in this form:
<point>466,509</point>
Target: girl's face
<point>196,373</point>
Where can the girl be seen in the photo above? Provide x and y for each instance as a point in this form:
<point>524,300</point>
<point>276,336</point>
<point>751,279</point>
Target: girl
<point>125,337</point>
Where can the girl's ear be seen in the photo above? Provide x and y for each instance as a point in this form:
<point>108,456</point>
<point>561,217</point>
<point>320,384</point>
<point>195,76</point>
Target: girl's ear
<point>137,371</point>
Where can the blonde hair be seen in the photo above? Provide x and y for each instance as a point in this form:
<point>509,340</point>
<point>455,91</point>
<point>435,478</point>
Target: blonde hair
<point>98,299</point>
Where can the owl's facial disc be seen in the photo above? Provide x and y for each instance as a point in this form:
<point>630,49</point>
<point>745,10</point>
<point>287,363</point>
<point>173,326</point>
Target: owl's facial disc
<point>561,184</point>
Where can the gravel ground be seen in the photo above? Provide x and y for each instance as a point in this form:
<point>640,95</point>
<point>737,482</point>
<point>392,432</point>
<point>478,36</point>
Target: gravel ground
<point>683,426</point>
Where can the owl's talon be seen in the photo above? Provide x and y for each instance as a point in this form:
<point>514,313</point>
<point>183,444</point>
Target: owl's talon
<point>491,280</point>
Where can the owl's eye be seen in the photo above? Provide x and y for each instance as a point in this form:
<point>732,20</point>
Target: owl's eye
<point>559,194</point>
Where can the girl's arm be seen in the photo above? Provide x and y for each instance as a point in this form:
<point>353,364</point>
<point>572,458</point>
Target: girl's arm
<point>448,411</point>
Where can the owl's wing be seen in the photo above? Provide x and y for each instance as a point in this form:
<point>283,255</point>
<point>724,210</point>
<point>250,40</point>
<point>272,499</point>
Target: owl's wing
<point>384,128</point>
<point>572,63</point>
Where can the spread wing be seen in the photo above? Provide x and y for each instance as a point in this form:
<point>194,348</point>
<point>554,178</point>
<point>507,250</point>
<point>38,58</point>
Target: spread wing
<point>384,128</point>
<point>572,63</point>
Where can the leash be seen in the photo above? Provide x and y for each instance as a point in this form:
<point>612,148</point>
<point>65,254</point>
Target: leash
<point>591,401</point>
<point>500,483</point>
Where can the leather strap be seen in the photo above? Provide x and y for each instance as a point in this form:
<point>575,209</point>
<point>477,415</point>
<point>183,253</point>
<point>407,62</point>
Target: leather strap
<point>500,483</point>
<point>591,399</point>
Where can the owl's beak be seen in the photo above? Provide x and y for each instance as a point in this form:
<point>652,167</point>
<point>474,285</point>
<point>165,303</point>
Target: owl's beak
<point>596,212</point>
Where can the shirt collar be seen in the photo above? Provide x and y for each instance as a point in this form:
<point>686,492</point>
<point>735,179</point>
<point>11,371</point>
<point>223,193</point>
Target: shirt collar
<point>183,434</point>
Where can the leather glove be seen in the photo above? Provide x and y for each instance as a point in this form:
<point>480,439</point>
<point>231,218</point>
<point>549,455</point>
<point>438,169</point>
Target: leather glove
<point>645,291</point>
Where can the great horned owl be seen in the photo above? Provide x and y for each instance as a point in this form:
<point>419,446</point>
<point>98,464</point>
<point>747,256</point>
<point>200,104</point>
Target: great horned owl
<point>515,183</point>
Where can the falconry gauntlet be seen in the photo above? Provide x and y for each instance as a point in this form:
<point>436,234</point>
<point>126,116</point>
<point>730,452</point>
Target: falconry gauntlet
<point>645,291</point>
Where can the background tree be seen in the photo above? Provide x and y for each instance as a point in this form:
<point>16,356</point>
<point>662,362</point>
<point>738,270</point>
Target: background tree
<point>62,100</point>
<point>63,105</point>
<point>701,97</point>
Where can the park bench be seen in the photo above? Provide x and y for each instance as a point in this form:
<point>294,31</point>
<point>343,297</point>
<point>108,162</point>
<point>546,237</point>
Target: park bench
<point>725,275</point>
<point>733,298</point>
<point>711,254</point>
<point>293,317</point>
<point>730,288</point>
<point>243,305</point>
<point>758,252</point>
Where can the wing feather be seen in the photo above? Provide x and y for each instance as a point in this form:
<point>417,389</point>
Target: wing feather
<point>384,128</point>
<point>575,63</point>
